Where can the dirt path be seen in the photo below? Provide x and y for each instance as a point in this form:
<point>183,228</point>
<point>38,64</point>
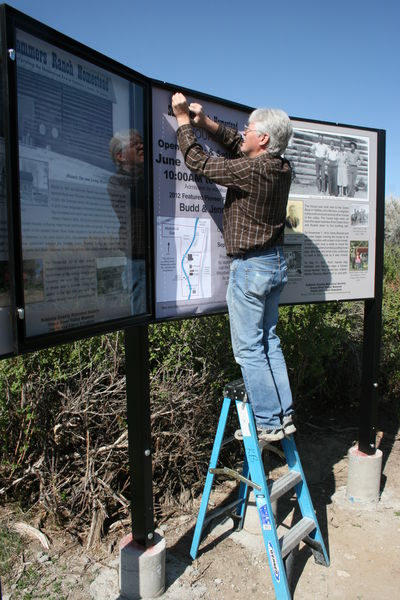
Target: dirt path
<point>363,543</point>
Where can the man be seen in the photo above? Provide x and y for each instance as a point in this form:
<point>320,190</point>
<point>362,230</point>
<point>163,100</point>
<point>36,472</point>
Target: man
<point>353,160</point>
<point>319,149</point>
<point>127,194</point>
<point>332,156</point>
<point>258,182</point>
<point>342,170</point>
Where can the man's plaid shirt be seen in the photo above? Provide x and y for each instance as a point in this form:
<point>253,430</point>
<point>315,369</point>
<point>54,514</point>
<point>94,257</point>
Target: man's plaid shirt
<point>258,189</point>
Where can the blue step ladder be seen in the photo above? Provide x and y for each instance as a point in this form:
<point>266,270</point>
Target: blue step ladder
<point>279,551</point>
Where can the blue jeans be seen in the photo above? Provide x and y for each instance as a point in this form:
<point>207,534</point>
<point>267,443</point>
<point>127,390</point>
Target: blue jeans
<point>255,284</point>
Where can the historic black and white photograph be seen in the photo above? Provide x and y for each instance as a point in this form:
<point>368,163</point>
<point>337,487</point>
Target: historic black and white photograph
<point>359,215</point>
<point>294,217</point>
<point>327,164</point>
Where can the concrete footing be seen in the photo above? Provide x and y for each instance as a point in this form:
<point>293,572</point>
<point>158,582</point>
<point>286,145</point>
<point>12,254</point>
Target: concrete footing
<point>142,571</point>
<point>364,476</point>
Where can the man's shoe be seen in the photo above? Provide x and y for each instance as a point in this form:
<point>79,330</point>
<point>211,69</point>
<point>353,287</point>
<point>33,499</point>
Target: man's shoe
<point>288,425</point>
<point>270,435</point>
<point>264,435</point>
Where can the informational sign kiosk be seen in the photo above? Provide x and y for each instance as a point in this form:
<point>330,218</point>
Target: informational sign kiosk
<point>102,226</point>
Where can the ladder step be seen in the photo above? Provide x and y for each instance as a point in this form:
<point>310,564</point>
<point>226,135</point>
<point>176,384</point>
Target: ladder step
<point>282,485</point>
<point>228,440</point>
<point>223,510</point>
<point>296,535</point>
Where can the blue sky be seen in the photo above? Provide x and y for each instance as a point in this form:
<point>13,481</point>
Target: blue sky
<point>330,61</point>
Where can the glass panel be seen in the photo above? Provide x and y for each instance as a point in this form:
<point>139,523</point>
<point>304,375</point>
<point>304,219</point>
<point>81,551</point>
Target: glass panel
<point>83,190</point>
<point>6,341</point>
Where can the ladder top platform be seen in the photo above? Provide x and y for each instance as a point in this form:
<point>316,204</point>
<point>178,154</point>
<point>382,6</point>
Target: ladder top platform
<point>236,390</point>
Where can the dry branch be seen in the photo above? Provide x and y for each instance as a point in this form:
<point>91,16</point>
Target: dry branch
<point>75,463</point>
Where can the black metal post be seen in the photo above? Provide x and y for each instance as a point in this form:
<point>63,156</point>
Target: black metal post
<point>369,382</point>
<point>139,433</point>
<point>373,322</point>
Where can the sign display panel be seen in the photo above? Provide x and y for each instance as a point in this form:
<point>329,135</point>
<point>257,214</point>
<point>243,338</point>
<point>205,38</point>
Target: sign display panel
<point>331,214</point>
<point>83,190</point>
<point>192,268</point>
<point>330,223</point>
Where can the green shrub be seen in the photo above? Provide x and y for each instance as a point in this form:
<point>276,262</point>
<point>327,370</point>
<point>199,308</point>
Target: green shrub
<point>390,371</point>
<point>63,438</point>
<point>321,343</point>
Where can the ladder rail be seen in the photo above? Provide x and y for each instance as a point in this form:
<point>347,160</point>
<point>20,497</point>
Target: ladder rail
<point>219,436</point>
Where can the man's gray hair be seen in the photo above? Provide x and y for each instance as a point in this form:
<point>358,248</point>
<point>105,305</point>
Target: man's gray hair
<point>120,141</point>
<point>276,123</point>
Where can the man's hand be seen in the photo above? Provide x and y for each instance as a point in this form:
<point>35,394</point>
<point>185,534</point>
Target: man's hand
<point>196,114</point>
<point>200,119</point>
<point>181,109</point>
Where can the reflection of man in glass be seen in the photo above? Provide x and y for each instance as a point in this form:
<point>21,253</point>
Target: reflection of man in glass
<point>319,150</point>
<point>126,189</point>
